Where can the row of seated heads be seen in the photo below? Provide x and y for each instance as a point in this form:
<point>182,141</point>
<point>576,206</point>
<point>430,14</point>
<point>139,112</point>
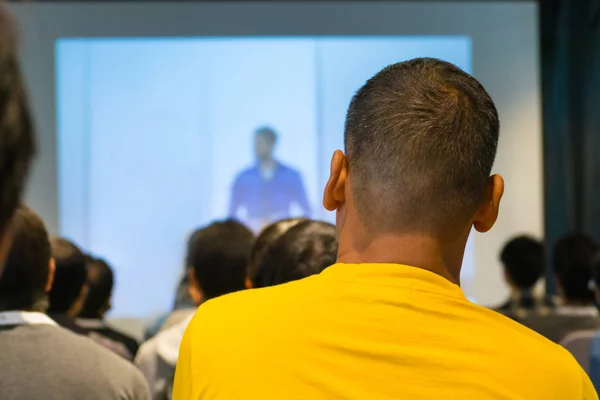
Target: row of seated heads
<point>54,275</point>
<point>575,265</point>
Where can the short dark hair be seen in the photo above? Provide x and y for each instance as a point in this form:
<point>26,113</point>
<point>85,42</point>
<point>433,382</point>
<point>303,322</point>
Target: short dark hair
<point>17,142</point>
<point>305,249</point>
<point>572,260</point>
<point>100,281</point>
<point>23,285</point>
<point>421,138</point>
<point>268,133</point>
<point>265,238</point>
<point>523,261</point>
<point>70,275</point>
<point>219,257</point>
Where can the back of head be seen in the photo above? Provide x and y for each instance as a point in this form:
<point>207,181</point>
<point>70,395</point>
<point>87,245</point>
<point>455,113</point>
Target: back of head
<point>572,261</point>
<point>100,285</point>
<point>305,249</point>
<point>17,144</point>
<point>421,138</point>
<point>265,239</point>
<point>70,276</point>
<point>219,257</point>
<point>23,285</point>
<point>523,261</point>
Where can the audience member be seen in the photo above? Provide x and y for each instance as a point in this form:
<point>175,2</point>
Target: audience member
<point>305,249</point>
<point>17,142</point>
<point>523,262</point>
<point>572,260</point>
<point>40,359</point>
<point>218,258</point>
<point>389,320</point>
<point>97,303</point>
<point>267,236</point>
<point>70,284</point>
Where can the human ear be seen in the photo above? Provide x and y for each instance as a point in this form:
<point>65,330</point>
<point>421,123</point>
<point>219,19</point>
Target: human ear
<point>334,194</point>
<point>487,214</point>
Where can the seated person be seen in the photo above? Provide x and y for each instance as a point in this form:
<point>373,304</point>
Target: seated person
<point>97,303</point>
<point>388,320</point>
<point>70,284</point>
<point>218,258</point>
<point>265,239</point>
<point>305,249</point>
<point>523,261</point>
<point>41,360</point>
<point>572,260</point>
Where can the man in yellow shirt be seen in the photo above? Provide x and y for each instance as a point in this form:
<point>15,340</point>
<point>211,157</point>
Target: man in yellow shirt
<point>389,321</point>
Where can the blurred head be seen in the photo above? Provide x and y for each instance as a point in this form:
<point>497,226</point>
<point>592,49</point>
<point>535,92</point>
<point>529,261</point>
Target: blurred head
<point>219,258</point>
<point>266,237</point>
<point>29,268</point>
<point>17,144</point>
<point>572,261</point>
<point>100,281</point>
<point>264,143</point>
<point>523,261</point>
<point>420,141</point>
<point>303,250</point>
<point>69,289</point>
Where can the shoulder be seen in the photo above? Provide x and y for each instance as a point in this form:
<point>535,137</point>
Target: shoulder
<point>526,343</point>
<point>252,310</point>
<point>246,173</point>
<point>286,169</point>
<point>90,357</point>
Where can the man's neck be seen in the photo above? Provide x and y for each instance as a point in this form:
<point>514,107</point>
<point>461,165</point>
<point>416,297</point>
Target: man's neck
<point>421,251</point>
<point>268,164</point>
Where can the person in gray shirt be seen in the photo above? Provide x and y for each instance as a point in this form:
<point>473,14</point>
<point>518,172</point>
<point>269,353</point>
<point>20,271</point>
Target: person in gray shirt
<point>41,360</point>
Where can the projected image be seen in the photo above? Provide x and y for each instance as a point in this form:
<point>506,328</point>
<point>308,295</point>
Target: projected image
<point>159,136</point>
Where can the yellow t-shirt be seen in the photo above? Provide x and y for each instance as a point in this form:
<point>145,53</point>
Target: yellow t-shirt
<point>368,331</point>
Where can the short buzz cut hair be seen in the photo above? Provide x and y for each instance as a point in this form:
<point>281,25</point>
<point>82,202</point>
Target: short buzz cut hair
<point>421,138</point>
<point>17,142</point>
<point>23,284</point>
<point>268,133</point>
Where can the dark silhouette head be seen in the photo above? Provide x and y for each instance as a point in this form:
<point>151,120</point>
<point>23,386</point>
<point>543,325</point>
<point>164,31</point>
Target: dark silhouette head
<point>219,258</point>
<point>69,288</point>
<point>265,239</point>
<point>100,280</point>
<point>17,142</point>
<point>523,261</point>
<point>303,250</point>
<point>265,139</point>
<point>29,268</point>
<point>572,261</point>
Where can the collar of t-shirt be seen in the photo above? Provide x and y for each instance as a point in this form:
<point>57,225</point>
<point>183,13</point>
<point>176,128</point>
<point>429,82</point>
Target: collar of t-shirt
<point>25,318</point>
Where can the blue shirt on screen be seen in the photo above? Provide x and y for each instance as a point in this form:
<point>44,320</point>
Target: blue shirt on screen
<point>268,199</point>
